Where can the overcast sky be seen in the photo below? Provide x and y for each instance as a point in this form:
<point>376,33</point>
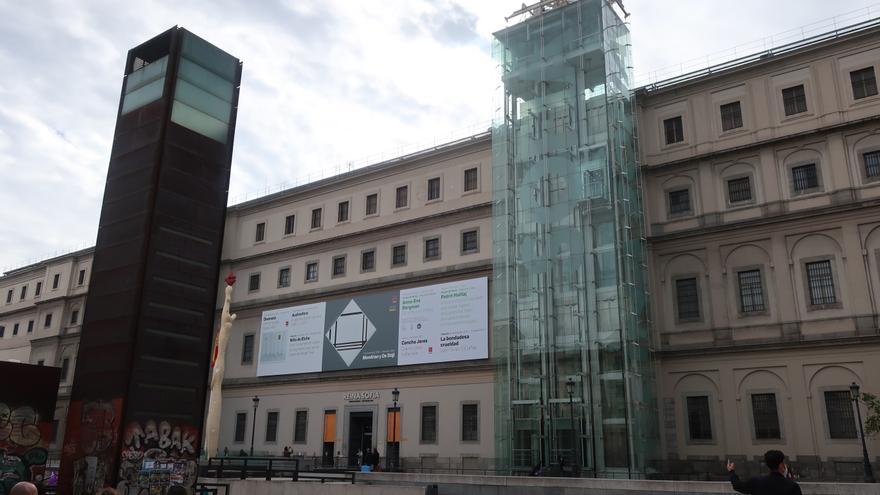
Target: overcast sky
<point>325,83</point>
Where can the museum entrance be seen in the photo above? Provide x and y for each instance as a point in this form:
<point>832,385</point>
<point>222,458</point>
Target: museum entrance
<point>360,435</point>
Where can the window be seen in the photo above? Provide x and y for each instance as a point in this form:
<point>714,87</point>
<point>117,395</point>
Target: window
<point>429,424</point>
<point>254,282</point>
<point>820,283</point>
<point>260,234</point>
<point>872,165</point>
<point>679,201</point>
<point>470,242</point>
<point>2,331</point>
<point>765,417</point>
<point>605,268</point>
<point>55,280</point>
<point>841,419</point>
<point>339,266</point>
<point>470,423</point>
<point>471,180</point>
<point>794,100</point>
<point>38,289</point>
<point>74,316</point>
<point>65,368</point>
<point>595,183</point>
<point>271,426</point>
<point>368,260</point>
<point>687,299</point>
<point>804,177</point>
<point>432,248</point>
<point>81,279</point>
<point>31,326</point>
<point>316,218</point>
<point>240,424</point>
<point>300,426</point>
<point>372,204</point>
<point>751,291</point>
<point>15,329</point>
<point>433,188</point>
<point>398,255</point>
<point>23,293</point>
<point>289,224</point>
<point>284,277</point>
<point>312,271</point>
<point>9,296</point>
<point>41,362</point>
<point>864,83</point>
<point>342,213</point>
<point>739,190</point>
<point>731,116</point>
<point>401,197</point>
<point>699,424</point>
<point>48,321</point>
<point>673,130</point>
<point>247,349</point>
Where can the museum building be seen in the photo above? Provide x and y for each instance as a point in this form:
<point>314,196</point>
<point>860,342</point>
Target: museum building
<point>635,284</point>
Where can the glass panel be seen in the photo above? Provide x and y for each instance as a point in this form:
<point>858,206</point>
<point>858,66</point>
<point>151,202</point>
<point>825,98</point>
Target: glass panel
<point>203,101</point>
<point>199,76</point>
<point>143,95</point>
<point>199,122</point>
<point>209,56</point>
<point>146,75</point>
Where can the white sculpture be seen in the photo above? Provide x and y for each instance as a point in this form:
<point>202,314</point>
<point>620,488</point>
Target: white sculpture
<point>212,422</point>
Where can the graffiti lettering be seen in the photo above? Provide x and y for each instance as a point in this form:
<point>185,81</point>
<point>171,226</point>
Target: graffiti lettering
<point>98,433</point>
<point>19,426</point>
<point>166,437</point>
<point>24,467</point>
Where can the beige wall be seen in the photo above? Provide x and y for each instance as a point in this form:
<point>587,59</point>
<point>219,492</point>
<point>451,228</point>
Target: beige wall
<point>792,348</point>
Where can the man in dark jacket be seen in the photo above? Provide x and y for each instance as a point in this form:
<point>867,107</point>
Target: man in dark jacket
<point>774,483</point>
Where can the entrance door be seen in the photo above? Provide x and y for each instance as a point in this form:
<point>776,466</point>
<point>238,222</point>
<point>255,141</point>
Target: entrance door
<point>360,435</point>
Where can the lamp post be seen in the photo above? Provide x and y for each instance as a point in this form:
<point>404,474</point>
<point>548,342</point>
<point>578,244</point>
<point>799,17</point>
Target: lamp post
<point>254,424</point>
<point>395,446</point>
<point>569,387</point>
<point>869,474</point>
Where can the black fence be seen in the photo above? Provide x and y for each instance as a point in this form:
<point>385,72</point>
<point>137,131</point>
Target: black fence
<point>269,468</point>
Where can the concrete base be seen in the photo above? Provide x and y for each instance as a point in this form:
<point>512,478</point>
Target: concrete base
<point>450,484</point>
<point>282,487</point>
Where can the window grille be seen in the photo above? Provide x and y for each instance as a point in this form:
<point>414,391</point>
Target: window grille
<point>864,83</point>
<point>804,177</point>
<point>687,298</point>
<point>731,116</point>
<point>820,282</point>
<point>739,190</point>
<point>751,291</point>
<point>679,201</point>
<point>765,416</point>
<point>841,419</point>
<point>794,100</point>
<point>872,164</point>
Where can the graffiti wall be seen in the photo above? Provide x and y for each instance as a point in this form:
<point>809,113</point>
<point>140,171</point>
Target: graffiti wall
<point>89,445</point>
<point>157,447</point>
<point>27,408</point>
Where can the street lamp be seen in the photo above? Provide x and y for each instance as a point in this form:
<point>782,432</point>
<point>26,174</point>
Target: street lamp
<point>869,475</point>
<point>395,445</point>
<point>254,423</point>
<point>569,387</point>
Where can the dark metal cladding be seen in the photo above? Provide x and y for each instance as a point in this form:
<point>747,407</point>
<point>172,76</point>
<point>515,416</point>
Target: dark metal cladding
<point>141,375</point>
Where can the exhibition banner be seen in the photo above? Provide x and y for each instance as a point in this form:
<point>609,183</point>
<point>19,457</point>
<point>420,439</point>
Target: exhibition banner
<point>431,324</point>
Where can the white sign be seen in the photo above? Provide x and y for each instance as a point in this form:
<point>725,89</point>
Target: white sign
<point>444,322</point>
<point>432,324</point>
<point>291,340</point>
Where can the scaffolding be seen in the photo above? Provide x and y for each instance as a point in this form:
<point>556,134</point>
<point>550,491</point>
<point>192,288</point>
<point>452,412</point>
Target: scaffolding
<point>575,379</point>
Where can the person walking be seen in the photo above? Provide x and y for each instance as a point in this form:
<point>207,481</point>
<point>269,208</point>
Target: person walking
<point>775,483</point>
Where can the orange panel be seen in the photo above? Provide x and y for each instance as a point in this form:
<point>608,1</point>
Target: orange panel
<point>330,426</point>
<point>393,422</point>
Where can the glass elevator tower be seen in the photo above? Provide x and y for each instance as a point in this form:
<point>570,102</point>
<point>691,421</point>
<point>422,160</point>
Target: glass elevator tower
<point>571,331</point>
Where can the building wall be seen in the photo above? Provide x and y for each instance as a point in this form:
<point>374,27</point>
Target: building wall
<point>792,348</point>
<point>63,305</point>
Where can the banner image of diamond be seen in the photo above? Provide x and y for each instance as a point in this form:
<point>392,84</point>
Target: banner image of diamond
<point>361,332</point>
<point>428,324</point>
